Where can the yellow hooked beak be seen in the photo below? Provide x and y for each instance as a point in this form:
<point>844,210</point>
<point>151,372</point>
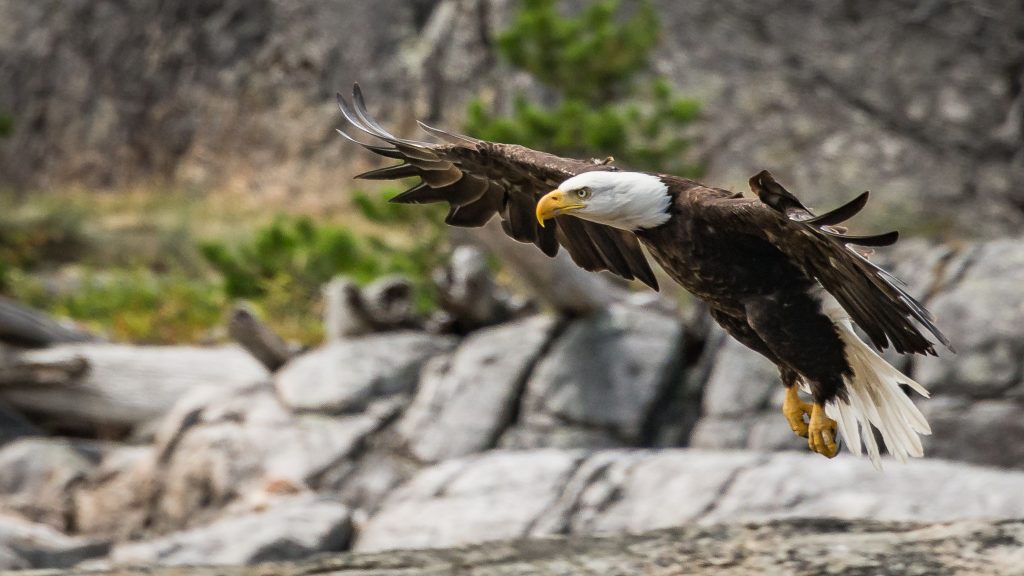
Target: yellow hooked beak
<point>553,204</point>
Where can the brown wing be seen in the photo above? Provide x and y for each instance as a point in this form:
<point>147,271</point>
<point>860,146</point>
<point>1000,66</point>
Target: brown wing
<point>479,179</point>
<point>874,298</point>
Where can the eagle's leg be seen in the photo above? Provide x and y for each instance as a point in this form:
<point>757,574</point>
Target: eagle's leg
<point>792,407</point>
<point>821,432</point>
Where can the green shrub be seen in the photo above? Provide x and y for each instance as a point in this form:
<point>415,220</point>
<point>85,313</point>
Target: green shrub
<point>134,305</point>
<point>598,63</point>
<point>32,237</point>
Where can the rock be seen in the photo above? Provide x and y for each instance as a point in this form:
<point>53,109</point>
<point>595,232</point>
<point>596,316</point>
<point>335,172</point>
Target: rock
<point>975,407</point>
<point>536,493</point>
<point>239,448</point>
<point>741,382</point>
<point>345,376</point>
<point>13,425</point>
<point>983,311</point>
<point>742,400</point>
<point>37,477</point>
<point>791,546</point>
<point>938,122</point>
<point>115,501</point>
<point>289,528</point>
<point>490,497</point>
<point>601,381</point>
<point>979,431</point>
<point>24,544</point>
<point>465,400</point>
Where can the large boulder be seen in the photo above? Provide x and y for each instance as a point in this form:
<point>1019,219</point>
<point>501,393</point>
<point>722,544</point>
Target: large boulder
<point>288,528</point>
<point>491,497</point>
<point>520,494</point>
<point>790,546</point>
<point>601,381</point>
<point>346,375</point>
<point>38,476</point>
<point>237,449</point>
<point>464,401</point>
<point>25,544</point>
<point>979,391</point>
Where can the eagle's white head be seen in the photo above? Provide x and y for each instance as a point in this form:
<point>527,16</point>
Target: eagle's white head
<point>628,200</point>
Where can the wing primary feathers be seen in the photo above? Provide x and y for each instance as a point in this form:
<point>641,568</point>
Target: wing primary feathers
<point>364,115</point>
<point>419,194</point>
<point>353,119</point>
<point>874,241</point>
<point>381,150</point>
<point>479,179</point>
<point>841,214</point>
<point>475,214</point>
<point>449,137</point>
<point>390,172</point>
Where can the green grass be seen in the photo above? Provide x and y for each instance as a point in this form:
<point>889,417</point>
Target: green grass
<point>164,266</point>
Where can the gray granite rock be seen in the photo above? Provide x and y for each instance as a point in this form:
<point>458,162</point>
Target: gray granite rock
<point>791,546</point>
<point>979,431</point>
<point>346,375</point>
<point>983,313</point>
<point>601,380</point>
<point>465,400</point>
<point>491,497</point>
<point>742,400</point>
<point>534,493</point>
<point>25,544</point>
<point>37,476</point>
<point>115,500</point>
<point>288,528</point>
<point>741,382</point>
<point>14,425</point>
<point>240,448</point>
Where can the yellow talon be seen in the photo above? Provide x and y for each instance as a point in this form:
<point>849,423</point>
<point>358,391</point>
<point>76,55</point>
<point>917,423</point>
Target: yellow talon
<point>793,409</point>
<point>821,435</point>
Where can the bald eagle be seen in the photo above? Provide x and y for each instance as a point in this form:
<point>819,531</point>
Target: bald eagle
<point>785,282</point>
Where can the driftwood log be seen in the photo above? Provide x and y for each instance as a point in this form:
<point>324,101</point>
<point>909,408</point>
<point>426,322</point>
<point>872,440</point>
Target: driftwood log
<point>86,385</point>
<point>468,295</point>
<point>25,327</point>
<point>386,304</point>
<point>258,339</point>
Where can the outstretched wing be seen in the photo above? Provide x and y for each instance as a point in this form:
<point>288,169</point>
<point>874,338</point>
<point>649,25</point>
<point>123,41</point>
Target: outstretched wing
<point>479,179</point>
<point>874,298</point>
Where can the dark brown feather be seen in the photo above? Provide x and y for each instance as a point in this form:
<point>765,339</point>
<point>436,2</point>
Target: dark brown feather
<point>479,179</point>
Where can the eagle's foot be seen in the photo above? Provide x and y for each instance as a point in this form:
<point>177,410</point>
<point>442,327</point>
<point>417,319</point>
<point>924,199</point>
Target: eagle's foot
<point>794,410</point>
<point>821,432</point>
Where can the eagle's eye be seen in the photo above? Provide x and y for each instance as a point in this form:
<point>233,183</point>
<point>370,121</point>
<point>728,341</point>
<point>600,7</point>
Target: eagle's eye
<point>583,193</point>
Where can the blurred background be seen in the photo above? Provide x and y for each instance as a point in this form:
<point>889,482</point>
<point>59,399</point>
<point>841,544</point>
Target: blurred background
<point>208,329</point>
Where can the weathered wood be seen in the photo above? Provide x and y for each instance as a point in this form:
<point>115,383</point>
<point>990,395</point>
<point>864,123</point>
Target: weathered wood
<point>386,304</point>
<point>125,385</point>
<point>29,328</point>
<point>258,339</point>
<point>65,371</point>
<point>468,294</point>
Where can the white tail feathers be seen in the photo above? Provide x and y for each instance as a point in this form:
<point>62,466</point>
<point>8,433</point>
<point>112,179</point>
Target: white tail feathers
<point>874,398</point>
